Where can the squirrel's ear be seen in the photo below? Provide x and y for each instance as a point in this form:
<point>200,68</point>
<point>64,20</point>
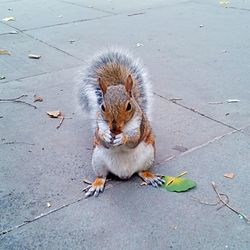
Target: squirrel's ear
<point>103,85</point>
<point>129,84</point>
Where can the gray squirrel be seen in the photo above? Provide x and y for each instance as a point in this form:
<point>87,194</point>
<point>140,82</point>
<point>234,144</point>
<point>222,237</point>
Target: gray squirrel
<point>115,90</point>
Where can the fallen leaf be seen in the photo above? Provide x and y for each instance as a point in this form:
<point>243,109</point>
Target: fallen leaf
<point>4,52</point>
<point>175,99</point>
<point>229,175</point>
<point>215,103</point>
<point>178,184</point>
<point>48,204</point>
<point>136,14</point>
<point>139,44</point>
<point>232,100</point>
<point>13,32</point>
<point>38,98</point>
<point>224,3</point>
<point>54,114</point>
<point>33,56</point>
<point>180,148</point>
<point>9,18</point>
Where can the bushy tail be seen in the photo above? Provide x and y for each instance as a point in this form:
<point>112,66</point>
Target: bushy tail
<point>89,92</point>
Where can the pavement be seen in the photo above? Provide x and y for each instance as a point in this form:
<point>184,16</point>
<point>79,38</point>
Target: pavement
<point>195,51</point>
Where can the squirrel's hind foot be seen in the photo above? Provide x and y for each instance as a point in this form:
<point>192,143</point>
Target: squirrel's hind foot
<point>151,178</point>
<point>96,187</point>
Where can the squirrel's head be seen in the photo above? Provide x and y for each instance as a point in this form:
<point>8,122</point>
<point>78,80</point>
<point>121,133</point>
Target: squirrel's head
<point>118,106</point>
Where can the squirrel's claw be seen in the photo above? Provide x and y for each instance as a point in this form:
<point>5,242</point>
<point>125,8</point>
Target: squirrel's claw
<point>118,140</point>
<point>96,187</point>
<point>107,137</point>
<point>151,178</point>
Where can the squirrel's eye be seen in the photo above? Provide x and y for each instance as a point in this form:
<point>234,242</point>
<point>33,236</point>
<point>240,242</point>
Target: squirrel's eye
<point>103,108</point>
<point>129,107</point>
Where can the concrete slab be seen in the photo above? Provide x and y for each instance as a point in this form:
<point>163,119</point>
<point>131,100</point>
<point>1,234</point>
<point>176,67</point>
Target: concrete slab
<point>19,65</point>
<point>116,6</point>
<point>45,13</point>
<point>216,54</point>
<point>41,164</point>
<point>154,218</point>
<point>197,51</point>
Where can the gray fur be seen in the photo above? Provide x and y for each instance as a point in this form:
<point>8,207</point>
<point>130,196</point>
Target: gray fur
<point>89,92</point>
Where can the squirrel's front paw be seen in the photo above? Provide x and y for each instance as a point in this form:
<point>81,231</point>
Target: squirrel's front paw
<point>120,140</point>
<point>106,137</point>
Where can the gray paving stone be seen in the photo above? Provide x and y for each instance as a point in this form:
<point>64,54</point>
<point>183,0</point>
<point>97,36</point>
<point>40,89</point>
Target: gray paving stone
<point>52,168</point>
<point>149,218</point>
<point>45,163</point>
<point>19,65</point>
<point>217,55</point>
<point>30,15</point>
<point>195,50</point>
<point>174,128</point>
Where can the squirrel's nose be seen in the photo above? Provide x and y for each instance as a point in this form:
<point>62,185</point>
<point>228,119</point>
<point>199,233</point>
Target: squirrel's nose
<point>114,127</point>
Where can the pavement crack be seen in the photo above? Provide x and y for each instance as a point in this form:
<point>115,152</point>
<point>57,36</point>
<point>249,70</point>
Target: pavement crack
<point>217,138</point>
<point>65,23</point>
<point>40,216</point>
<point>39,74</point>
<point>41,41</point>
<point>196,112</point>
<point>88,7</point>
<point>54,47</point>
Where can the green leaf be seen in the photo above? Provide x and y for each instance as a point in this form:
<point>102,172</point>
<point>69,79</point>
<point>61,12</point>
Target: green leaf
<point>177,184</point>
<point>4,52</point>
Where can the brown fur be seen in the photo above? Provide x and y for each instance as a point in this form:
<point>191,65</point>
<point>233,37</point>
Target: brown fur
<point>120,90</point>
<point>147,174</point>
<point>113,74</point>
<point>98,182</point>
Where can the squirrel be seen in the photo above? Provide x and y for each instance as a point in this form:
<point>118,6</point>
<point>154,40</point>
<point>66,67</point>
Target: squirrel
<point>117,93</point>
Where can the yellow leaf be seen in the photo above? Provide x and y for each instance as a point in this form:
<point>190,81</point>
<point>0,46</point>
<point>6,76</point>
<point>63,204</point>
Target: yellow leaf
<point>9,18</point>
<point>4,52</point>
<point>224,3</point>
<point>178,184</point>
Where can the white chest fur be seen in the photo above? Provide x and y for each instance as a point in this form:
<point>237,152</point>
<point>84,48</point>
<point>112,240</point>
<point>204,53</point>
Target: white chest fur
<point>122,161</point>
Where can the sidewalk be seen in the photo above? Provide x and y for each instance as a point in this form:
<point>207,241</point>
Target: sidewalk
<point>197,51</point>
